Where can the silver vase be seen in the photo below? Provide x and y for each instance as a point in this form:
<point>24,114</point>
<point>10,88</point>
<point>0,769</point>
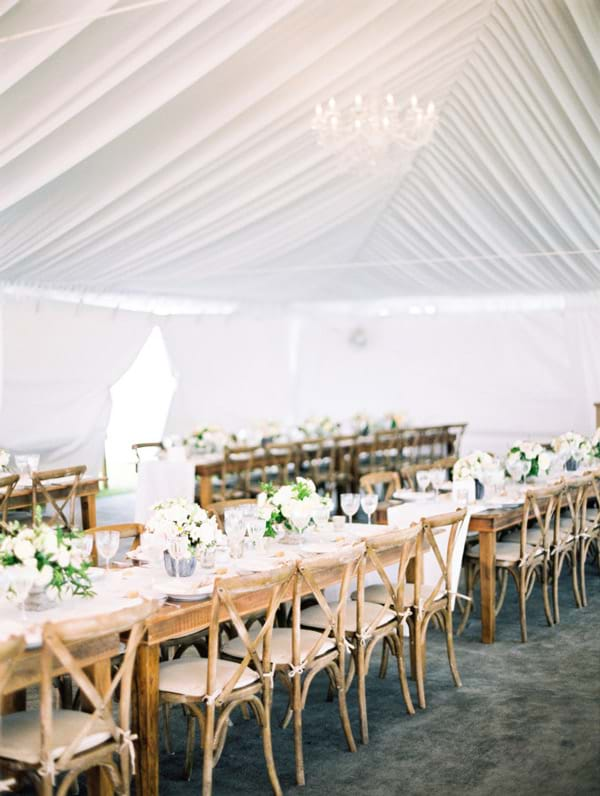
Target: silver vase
<point>184,567</point>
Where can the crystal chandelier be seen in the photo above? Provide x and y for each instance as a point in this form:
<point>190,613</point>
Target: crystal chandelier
<point>373,131</point>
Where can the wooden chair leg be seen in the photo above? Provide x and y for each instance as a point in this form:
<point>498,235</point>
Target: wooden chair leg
<point>522,604</point>
<point>362,691</point>
<point>268,748</point>
<point>384,660</point>
<point>575,576</point>
<point>583,551</point>
<point>297,713</point>
<point>343,708</point>
<point>399,640</point>
<point>555,577</point>
<point>189,746</point>
<point>546,596</point>
<point>209,739</point>
<point>419,673</point>
<point>166,716</point>
<point>450,648</point>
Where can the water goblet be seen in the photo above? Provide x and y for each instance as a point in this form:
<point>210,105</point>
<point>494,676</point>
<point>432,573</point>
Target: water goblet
<point>256,532</point>
<point>178,550</point>
<point>235,530</point>
<point>369,503</point>
<point>85,545</point>
<point>107,544</point>
<point>423,479</point>
<point>438,476</point>
<point>21,582</point>
<point>321,518</point>
<point>350,503</point>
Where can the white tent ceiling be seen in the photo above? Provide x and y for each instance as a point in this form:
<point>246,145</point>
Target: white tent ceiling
<point>166,150</point>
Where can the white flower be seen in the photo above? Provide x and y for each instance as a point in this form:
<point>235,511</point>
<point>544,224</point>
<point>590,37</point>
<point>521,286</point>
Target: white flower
<point>4,458</point>
<point>23,549</point>
<point>43,576</point>
<point>63,557</point>
<point>544,462</point>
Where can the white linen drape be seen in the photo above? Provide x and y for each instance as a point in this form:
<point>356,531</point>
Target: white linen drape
<point>60,361</point>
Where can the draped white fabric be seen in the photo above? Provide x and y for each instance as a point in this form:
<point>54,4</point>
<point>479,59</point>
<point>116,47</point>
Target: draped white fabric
<point>60,361</point>
<point>166,150</point>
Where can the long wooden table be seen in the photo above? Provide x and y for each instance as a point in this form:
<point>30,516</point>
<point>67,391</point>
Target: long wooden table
<point>171,623</point>
<point>22,498</point>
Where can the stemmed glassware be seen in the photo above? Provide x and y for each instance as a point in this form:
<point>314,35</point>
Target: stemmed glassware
<point>369,503</point>
<point>256,533</point>
<point>21,582</point>
<point>423,479</point>
<point>86,545</point>
<point>350,503</point>
<point>107,544</point>
<point>178,550</point>
<point>438,476</point>
<point>235,530</point>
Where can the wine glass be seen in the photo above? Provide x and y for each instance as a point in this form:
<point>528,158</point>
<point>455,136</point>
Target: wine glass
<point>235,530</point>
<point>369,503</point>
<point>256,532</point>
<point>21,581</point>
<point>178,550</point>
<point>321,518</point>
<point>350,503</point>
<point>423,479</point>
<point>85,545</point>
<point>438,476</point>
<point>107,544</point>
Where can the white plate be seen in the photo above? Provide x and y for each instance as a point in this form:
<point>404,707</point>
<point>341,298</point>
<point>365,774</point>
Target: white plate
<point>320,547</point>
<point>256,565</point>
<point>178,592</point>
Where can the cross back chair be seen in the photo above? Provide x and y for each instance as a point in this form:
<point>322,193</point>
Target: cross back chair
<point>279,463</point>
<point>299,654</point>
<point>204,684</point>
<point>345,462</point>
<point>386,449</point>
<point>590,536</point>
<point>7,486</point>
<point>316,460</point>
<point>409,472</point>
<point>153,447</point>
<point>45,743</point>
<point>566,543</point>
<point>63,508</point>
<point>10,651</point>
<point>526,554</point>
<point>238,473</point>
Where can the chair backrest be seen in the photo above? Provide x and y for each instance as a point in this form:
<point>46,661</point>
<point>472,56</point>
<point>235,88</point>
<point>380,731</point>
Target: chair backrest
<point>402,543</point>
<point>220,507</point>
<point>279,584</point>
<point>10,652</point>
<point>439,551</point>
<point>237,470</point>
<point>127,530</point>
<point>57,638</point>
<point>279,462</point>
<point>593,522</point>
<point>7,485</point>
<point>390,480</point>
<point>386,447</point>
<point>60,497</point>
<point>543,505</point>
<point>308,581</point>
<point>576,493</point>
<point>316,460</point>
<point>140,448</point>
<point>409,472</point>
<point>345,457</point>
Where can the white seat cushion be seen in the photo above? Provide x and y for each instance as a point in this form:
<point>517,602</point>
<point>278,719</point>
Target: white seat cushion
<point>281,645</point>
<point>314,616</point>
<point>377,593</point>
<point>20,734</point>
<point>188,676</point>
<point>505,551</point>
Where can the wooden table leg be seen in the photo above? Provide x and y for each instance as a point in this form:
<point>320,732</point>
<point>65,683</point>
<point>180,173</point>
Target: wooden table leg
<point>487,585</point>
<point>98,781</point>
<point>206,490</point>
<point>146,719</point>
<point>88,511</point>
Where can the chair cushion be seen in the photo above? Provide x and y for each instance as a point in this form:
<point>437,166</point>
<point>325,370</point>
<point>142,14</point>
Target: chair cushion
<point>187,676</point>
<point>20,734</point>
<point>505,551</point>
<point>281,645</point>
<point>377,593</point>
<point>314,616</point>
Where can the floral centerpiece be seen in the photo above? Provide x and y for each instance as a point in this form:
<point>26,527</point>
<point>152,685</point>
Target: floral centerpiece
<point>319,427</point>
<point>394,420</point>
<point>574,447</point>
<point>179,517</point>
<point>209,439</point>
<point>473,465</point>
<point>291,507</point>
<point>362,424</point>
<point>4,459</point>
<point>532,452</point>
<point>54,558</point>
<point>595,444</point>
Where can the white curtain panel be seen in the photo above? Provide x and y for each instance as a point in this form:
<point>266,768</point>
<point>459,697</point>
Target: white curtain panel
<point>60,361</point>
<point>167,151</point>
<point>230,371</point>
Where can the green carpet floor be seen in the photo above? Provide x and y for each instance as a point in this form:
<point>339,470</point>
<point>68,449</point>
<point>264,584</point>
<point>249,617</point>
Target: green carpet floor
<point>526,721</point>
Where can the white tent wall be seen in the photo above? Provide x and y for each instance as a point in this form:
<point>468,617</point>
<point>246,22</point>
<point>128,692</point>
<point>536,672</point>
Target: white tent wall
<point>60,361</point>
<point>231,370</point>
